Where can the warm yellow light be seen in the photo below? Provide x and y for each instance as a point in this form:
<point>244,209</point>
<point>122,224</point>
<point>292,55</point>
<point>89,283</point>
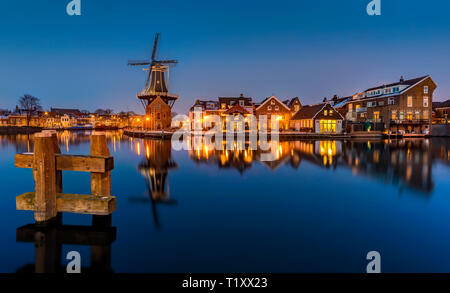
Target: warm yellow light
<point>138,120</point>
<point>147,118</point>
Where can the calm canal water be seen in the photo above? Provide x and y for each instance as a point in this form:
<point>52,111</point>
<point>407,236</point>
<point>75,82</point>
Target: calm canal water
<point>320,207</point>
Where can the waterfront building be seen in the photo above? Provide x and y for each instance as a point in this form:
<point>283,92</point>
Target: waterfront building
<point>319,118</point>
<point>402,107</point>
<point>244,106</point>
<point>273,107</point>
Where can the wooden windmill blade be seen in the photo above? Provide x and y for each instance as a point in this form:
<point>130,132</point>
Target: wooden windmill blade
<point>174,61</point>
<point>139,62</point>
<point>155,46</point>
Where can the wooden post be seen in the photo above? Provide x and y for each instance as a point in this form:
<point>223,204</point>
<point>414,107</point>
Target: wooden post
<point>100,182</point>
<point>59,183</point>
<point>44,165</point>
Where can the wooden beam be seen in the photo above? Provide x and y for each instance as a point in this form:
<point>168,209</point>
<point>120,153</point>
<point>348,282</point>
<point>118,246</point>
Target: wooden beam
<point>44,170</point>
<point>100,181</point>
<point>72,203</point>
<point>81,163</point>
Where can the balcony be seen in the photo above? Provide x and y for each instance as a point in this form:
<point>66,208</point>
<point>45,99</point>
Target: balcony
<point>410,121</point>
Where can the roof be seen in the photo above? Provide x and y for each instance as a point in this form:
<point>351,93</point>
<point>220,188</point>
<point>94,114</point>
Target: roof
<point>308,112</point>
<point>273,97</point>
<point>408,82</point>
<point>65,111</point>
<point>236,108</point>
<point>229,100</point>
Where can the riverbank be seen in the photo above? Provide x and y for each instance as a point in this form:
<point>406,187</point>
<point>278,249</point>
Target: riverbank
<point>19,130</point>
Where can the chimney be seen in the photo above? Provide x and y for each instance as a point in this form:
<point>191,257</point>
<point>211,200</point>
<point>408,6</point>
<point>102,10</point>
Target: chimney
<point>402,79</point>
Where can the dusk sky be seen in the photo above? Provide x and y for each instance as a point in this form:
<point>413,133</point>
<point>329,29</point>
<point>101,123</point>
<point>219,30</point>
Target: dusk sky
<point>309,49</point>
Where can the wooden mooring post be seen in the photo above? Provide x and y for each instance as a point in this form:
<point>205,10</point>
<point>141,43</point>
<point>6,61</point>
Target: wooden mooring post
<point>48,163</point>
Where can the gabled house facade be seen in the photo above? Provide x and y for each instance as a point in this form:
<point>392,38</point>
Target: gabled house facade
<point>319,118</point>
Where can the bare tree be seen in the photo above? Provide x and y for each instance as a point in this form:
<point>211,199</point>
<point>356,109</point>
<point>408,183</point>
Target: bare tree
<point>30,105</point>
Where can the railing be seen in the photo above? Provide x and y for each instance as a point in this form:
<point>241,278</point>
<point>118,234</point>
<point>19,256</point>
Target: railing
<point>406,121</point>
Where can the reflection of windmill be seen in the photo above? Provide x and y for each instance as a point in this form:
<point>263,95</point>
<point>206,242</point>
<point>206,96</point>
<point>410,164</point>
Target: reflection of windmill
<point>156,84</point>
<point>155,170</point>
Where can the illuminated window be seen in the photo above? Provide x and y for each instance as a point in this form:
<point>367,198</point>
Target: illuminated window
<point>224,105</point>
<point>296,108</point>
<point>269,108</point>
<point>272,102</point>
<point>325,113</point>
<point>425,115</point>
<point>410,101</point>
<point>331,112</point>
<point>402,115</point>
<point>409,116</point>
<point>350,107</point>
<point>357,107</point>
<point>394,115</point>
<point>376,115</point>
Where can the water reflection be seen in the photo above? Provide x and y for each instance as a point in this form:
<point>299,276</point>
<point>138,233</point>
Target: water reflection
<point>155,169</point>
<point>48,240</point>
<point>404,163</point>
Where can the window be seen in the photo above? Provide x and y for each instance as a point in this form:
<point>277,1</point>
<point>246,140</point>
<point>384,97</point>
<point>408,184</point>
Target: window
<point>425,115</point>
<point>158,115</point>
<point>350,107</point>
<point>376,115</point>
<point>394,115</point>
<point>296,108</point>
<point>325,113</point>
<point>402,115</point>
<point>409,116</point>
<point>417,115</point>
<point>410,101</point>
<point>357,107</point>
<point>224,105</point>
<point>272,102</point>
<point>391,101</point>
<point>269,108</point>
<point>371,104</point>
<point>327,126</point>
<point>425,101</point>
<point>241,103</point>
<point>425,89</point>
<point>277,108</point>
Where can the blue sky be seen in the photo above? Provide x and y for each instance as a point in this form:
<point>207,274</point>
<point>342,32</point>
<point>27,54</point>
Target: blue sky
<point>309,49</point>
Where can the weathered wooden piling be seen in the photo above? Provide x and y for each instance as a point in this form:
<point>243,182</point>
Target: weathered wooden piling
<point>48,163</point>
<point>44,168</point>
<point>100,182</point>
<point>59,186</point>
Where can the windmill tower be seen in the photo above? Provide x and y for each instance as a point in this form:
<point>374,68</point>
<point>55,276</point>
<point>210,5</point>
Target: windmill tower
<point>155,96</point>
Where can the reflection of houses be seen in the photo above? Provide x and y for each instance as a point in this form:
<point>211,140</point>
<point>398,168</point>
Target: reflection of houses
<point>404,162</point>
<point>320,118</point>
<point>155,169</point>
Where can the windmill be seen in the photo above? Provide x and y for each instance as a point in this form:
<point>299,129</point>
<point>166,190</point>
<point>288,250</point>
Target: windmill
<point>156,84</point>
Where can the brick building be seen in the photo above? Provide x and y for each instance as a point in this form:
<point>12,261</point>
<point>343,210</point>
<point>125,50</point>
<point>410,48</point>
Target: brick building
<point>403,107</point>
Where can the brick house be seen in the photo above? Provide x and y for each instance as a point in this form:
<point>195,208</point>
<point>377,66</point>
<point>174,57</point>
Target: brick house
<point>158,115</point>
<point>403,107</point>
<point>273,106</point>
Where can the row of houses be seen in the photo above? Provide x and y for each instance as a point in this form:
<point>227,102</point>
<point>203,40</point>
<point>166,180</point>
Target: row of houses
<point>401,107</point>
<point>64,118</point>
